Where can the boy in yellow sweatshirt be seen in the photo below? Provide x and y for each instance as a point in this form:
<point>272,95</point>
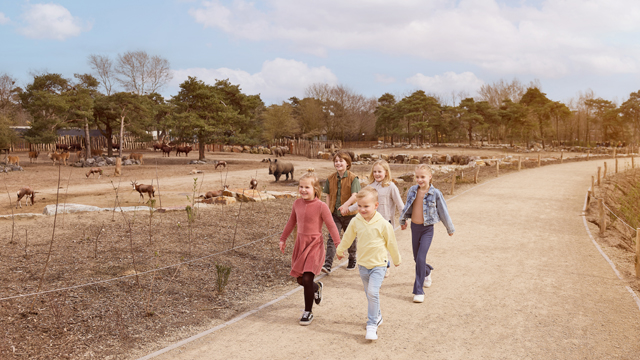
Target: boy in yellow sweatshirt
<point>375,238</point>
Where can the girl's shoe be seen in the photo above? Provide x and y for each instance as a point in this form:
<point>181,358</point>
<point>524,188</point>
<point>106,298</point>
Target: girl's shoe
<point>318,294</point>
<point>427,281</point>
<point>418,298</point>
<point>387,273</point>
<point>307,318</point>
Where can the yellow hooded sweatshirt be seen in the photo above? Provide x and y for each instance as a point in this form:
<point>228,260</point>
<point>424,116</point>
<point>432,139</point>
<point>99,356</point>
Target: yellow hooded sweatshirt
<point>375,237</point>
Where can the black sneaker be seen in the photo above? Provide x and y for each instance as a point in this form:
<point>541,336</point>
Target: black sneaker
<point>307,318</point>
<point>352,265</point>
<point>318,294</point>
<point>326,269</point>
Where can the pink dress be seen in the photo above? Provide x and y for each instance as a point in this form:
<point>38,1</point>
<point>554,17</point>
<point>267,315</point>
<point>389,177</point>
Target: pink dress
<point>308,252</point>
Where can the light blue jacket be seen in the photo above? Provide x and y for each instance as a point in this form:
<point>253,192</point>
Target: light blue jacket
<point>434,208</point>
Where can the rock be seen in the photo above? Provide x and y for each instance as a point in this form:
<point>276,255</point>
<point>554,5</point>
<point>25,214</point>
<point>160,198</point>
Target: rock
<point>246,148</point>
<point>127,162</point>
<point>283,194</point>
<point>408,177</point>
<point>414,161</point>
<point>68,208</point>
<point>101,164</point>
<point>248,195</point>
<point>79,164</point>
<point>448,159</point>
<point>384,157</point>
<point>89,162</point>
<point>236,149</point>
<point>254,151</point>
<point>16,168</point>
<point>7,169</point>
<point>375,157</point>
<point>137,162</point>
<point>110,161</point>
<point>98,158</point>
<point>125,158</point>
<point>365,156</point>
<point>224,200</point>
<point>266,151</point>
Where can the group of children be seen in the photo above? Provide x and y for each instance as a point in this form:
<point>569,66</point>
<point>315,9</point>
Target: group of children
<point>367,214</point>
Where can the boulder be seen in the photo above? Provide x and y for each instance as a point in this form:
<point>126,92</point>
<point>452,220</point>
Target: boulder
<point>110,160</point>
<point>408,177</point>
<point>79,164</point>
<point>283,194</point>
<point>224,200</point>
<point>127,162</point>
<point>365,156</point>
<point>101,164</point>
<point>384,157</point>
<point>89,162</point>
<point>68,208</point>
<point>414,161</point>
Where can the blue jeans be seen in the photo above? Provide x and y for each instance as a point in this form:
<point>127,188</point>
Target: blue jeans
<point>372,281</point>
<point>421,237</point>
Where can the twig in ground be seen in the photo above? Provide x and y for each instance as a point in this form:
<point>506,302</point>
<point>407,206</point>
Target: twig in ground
<point>233,242</point>
<point>53,234</point>
<point>26,243</point>
<point>158,182</point>
<point>13,218</point>
<point>64,207</point>
<point>95,248</point>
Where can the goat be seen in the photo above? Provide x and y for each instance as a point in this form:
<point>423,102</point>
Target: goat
<point>221,163</point>
<point>253,184</point>
<point>13,160</point>
<point>166,150</point>
<point>29,193</point>
<point>58,157</point>
<point>183,149</point>
<point>213,194</point>
<point>96,152</point>
<point>95,170</point>
<point>63,147</point>
<point>141,188</point>
<point>33,155</point>
<point>135,156</point>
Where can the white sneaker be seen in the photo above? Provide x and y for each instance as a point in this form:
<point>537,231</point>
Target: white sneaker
<point>418,298</point>
<point>388,272</point>
<point>427,281</point>
<point>372,333</point>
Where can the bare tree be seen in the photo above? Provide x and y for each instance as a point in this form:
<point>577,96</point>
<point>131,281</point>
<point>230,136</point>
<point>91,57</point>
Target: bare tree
<point>142,74</point>
<point>103,66</point>
<point>501,90</point>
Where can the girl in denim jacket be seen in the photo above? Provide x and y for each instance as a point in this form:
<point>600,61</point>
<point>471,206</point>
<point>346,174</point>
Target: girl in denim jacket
<point>423,216</point>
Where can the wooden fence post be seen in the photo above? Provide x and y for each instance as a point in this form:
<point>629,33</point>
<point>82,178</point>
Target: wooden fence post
<point>598,175</point>
<point>453,182</point>
<point>519,162</point>
<point>604,174</point>
<point>538,160</point>
<point>632,164</point>
<point>475,177</point>
<point>615,153</point>
<point>588,153</point>
<point>497,168</point>
<point>589,195</point>
<point>616,166</point>
<point>592,182</point>
<point>603,219</point>
<point>637,252</point>
<point>561,157</point>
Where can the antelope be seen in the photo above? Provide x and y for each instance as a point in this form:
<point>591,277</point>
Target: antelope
<point>253,184</point>
<point>183,149</point>
<point>212,194</point>
<point>221,163</point>
<point>135,156</point>
<point>13,160</point>
<point>58,157</point>
<point>29,193</point>
<point>95,170</point>
<point>141,188</point>
<point>96,152</point>
<point>166,150</point>
<point>33,155</point>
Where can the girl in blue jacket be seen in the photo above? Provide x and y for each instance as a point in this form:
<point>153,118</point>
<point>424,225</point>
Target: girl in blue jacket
<point>424,215</point>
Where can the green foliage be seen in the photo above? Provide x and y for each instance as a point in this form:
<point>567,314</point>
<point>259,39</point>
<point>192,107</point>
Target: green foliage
<point>222,278</point>
<point>278,122</point>
<point>7,135</point>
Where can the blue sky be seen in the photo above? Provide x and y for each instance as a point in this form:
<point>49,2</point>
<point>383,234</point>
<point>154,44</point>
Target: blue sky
<point>277,48</point>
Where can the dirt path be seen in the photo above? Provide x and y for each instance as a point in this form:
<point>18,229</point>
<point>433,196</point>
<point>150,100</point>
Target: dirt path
<point>520,279</point>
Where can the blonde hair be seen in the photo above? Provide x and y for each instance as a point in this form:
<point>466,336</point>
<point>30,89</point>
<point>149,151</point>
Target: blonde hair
<point>367,191</point>
<point>344,156</point>
<point>426,168</point>
<point>315,182</point>
<point>387,176</point>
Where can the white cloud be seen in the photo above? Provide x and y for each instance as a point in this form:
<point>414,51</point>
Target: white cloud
<point>385,79</point>
<point>553,39</point>
<point>447,83</point>
<point>278,80</point>
<point>4,19</point>
<point>51,21</point>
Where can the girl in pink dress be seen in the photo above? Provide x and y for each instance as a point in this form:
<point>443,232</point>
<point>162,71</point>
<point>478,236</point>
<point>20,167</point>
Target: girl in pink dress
<point>309,213</point>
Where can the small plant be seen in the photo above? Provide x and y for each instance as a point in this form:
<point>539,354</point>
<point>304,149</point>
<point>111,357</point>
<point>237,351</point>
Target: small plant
<point>152,205</point>
<point>223,273</point>
<point>191,210</point>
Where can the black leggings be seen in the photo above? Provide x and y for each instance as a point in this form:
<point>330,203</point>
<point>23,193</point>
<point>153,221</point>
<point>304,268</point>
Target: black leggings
<point>310,288</point>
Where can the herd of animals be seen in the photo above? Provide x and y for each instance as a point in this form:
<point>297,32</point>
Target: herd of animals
<point>276,168</point>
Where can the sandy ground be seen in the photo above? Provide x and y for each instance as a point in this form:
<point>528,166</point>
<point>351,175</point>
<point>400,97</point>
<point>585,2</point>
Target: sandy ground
<point>520,279</point>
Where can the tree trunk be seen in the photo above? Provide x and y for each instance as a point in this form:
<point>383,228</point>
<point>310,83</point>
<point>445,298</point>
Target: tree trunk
<point>87,139</point>
<point>121,136</point>
<point>201,149</point>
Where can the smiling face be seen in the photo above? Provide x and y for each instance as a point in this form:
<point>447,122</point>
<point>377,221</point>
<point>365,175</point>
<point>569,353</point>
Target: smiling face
<point>340,164</point>
<point>423,177</point>
<point>379,173</point>
<point>306,190</point>
<point>367,207</point>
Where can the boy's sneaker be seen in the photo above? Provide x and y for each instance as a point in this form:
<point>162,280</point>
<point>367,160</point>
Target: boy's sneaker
<point>427,281</point>
<point>326,269</point>
<point>352,265</point>
<point>418,298</point>
<point>377,324</point>
<point>372,332</point>
<point>307,318</point>
<point>318,294</point>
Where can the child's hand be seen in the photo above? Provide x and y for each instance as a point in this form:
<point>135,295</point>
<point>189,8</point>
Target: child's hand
<point>343,210</point>
<point>340,257</point>
<point>403,227</point>
<point>283,245</point>
<point>450,234</point>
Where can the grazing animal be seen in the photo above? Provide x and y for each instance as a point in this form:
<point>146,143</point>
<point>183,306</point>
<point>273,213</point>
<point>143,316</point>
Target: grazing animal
<point>29,193</point>
<point>79,154</point>
<point>157,146</point>
<point>33,156</point>
<point>95,170</point>
<point>58,157</point>
<point>13,160</point>
<point>213,194</point>
<point>96,152</point>
<point>75,147</point>
<point>278,168</point>
<point>166,150</point>
<point>221,163</point>
<point>115,146</point>
<point>196,171</point>
<point>141,189</point>
<point>311,170</point>
<point>183,149</point>
<point>63,147</point>
<point>253,184</point>
<point>265,160</point>
<point>136,156</point>
<point>277,152</point>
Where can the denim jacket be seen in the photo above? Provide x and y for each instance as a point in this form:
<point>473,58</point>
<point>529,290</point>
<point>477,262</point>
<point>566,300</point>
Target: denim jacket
<point>434,208</point>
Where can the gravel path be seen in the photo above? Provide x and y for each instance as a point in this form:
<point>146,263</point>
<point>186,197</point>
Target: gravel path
<point>520,279</point>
